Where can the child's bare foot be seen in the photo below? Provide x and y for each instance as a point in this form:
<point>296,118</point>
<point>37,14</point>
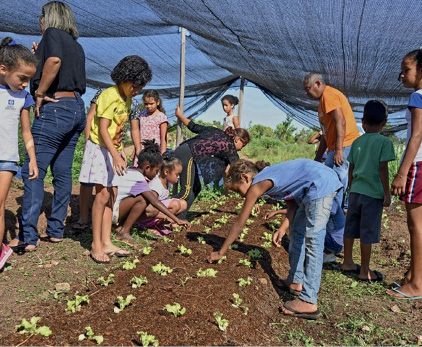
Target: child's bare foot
<point>294,288</point>
<point>125,237</point>
<point>371,276</point>
<point>113,250</point>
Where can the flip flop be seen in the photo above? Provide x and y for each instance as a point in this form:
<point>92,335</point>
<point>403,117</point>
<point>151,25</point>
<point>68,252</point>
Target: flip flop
<point>126,239</point>
<point>48,238</point>
<point>355,271</point>
<point>305,315</point>
<point>93,257</point>
<point>20,247</point>
<point>380,277</point>
<point>120,253</point>
<point>405,296</point>
<point>283,285</point>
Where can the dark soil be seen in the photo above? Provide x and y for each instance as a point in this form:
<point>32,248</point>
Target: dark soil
<point>341,303</point>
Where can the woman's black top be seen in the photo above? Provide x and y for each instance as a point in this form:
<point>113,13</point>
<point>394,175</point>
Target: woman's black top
<point>212,150</point>
<point>71,76</point>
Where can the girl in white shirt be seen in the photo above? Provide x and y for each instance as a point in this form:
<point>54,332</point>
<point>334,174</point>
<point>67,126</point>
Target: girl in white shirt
<point>230,120</point>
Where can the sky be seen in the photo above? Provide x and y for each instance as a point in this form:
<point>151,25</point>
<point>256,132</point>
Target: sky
<point>257,109</point>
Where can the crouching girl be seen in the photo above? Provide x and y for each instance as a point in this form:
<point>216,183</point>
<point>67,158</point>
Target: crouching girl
<point>309,188</point>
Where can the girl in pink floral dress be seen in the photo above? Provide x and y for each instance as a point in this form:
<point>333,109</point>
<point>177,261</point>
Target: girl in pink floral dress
<point>149,123</point>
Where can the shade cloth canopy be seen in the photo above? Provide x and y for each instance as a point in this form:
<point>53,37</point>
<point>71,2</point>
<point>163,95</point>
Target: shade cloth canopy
<point>356,45</point>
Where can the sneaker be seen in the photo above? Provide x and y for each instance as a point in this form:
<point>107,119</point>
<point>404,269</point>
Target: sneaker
<point>329,258</point>
<point>6,252</point>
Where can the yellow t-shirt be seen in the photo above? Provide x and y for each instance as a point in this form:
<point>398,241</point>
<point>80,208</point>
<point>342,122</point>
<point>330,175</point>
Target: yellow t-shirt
<point>332,99</point>
<point>110,105</point>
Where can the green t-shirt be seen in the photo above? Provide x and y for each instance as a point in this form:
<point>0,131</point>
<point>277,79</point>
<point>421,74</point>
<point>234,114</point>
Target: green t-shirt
<point>367,152</point>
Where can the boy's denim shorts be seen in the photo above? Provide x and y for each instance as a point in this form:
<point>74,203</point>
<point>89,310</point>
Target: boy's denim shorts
<point>9,166</point>
<point>363,218</point>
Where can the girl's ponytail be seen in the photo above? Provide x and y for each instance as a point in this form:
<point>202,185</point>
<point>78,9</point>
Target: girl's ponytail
<point>416,56</point>
<point>13,54</point>
<point>151,154</point>
<point>239,167</point>
<point>233,100</point>
<point>241,133</point>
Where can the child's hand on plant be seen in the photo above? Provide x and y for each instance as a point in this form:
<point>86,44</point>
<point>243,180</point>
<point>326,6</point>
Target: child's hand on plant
<point>183,223</point>
<point>270,215</point>
<point>278,235</point>
<point>214,256</point>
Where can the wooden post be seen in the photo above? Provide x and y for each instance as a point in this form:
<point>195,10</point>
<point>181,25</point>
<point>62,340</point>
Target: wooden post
<point>182,84</point>
<point>239,110</point>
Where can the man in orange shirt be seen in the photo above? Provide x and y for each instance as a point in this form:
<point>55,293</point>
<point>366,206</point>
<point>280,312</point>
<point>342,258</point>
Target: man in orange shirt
<point>339,131</point>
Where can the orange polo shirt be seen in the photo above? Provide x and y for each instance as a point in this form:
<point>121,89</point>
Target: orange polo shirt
<point>330,100</point>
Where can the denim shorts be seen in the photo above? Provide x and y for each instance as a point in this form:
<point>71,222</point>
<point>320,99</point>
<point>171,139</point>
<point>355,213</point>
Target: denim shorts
<point>363,218</point>
<point>9,166</point>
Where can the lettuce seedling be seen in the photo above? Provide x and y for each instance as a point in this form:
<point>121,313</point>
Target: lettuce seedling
<point>206,273</point>
<point>183,282</point>
<point>220,261</point>
<point>99,339</point>
<point>245,262</point>
<point>244,282</point>
<point>207,230</point>
<point>105,282</point>
<point>31,327</point>
<point>75,305</point>
<point>146,250</point>
<point>122,303</point>
<point>249,222</point>
<point>130,265</point>
<point>161,269</point>
<point>201,240</point>
<point>255,253</point>
<point>184,251</point>
<point>177,310</point>
<point>267,236</point>
<point>234,246</point>
<point>167,240</point>
<point>222,323</point>
<point>237,301</point>
<point>266,244</point>
<point>138,281</point>
<point>147,340</point>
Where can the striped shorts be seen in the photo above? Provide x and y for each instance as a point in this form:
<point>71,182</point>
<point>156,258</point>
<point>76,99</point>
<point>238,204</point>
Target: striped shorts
<point>413,192</point>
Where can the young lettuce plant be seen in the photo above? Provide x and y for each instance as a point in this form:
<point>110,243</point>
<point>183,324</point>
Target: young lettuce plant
<point>207,230</point>
<point>167,240</point>
<point>105,282</point>
<point>177,310</point>
<point>221,322</point>
<point>184,251</point>
<point>237,301</point>
<point>255,253</point>
<point>146,250</point>
<point>201,240</point>
<point>206,273</point>
<point>220,261</point>
<point>75,305</point>
<point>161,269</point>
<point>122,303</point>
<point>130,265</point>
<point>138,281</point>
<point>244,282</point>
<point>31,327</point>
<point>245,262</point>
<point>99,339</point>
<point>234,246</point>
<point>147,340</point>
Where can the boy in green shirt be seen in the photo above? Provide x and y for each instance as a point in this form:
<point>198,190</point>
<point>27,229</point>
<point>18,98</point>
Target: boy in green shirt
<point>369,190</point>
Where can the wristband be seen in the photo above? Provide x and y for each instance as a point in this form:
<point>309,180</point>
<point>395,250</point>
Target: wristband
<point>399,175</point>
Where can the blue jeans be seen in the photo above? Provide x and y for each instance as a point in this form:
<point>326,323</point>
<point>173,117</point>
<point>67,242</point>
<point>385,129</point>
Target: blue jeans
<point>56,132</point>
<point>306,247</point>
<point>335,229</point>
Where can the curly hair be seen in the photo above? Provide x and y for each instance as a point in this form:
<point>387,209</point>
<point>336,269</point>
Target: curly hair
<point>133,69</point>
<point>151,154</point>
<point>12,54</point>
